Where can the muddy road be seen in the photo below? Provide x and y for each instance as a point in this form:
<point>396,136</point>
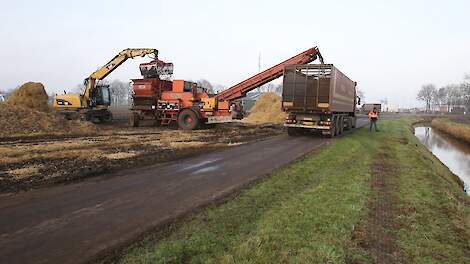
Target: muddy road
<point>79,222</point>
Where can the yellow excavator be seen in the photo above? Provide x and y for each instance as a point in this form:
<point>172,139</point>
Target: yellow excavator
<point>93,104</point>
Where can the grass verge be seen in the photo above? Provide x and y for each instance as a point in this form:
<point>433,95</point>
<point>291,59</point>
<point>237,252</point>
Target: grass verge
<point>457,130</point>
<point>315,210</point>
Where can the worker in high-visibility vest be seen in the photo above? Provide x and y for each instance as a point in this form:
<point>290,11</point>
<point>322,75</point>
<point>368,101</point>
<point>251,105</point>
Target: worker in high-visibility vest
<point>373,116</point>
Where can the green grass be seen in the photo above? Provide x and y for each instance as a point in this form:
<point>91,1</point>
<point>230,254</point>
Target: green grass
<point>436,212</point>
<point>308,211</point>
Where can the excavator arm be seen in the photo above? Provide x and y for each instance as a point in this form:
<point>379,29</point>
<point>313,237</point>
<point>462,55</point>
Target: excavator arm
<point>109,67</point>
<point>239,90</point>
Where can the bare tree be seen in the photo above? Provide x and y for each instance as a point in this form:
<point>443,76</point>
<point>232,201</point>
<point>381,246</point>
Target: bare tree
<point>361,94</point>
<point>120,92</point>
<point>454,95</point>
<point>271,87</point>
<point>79,88</point>
<point>440,97</point>
<point>219,88</point>
<point>4,94</point>
<point>426,94</point>
<point>467,78</point>
<point>206,84</point>
<point>465,90</point>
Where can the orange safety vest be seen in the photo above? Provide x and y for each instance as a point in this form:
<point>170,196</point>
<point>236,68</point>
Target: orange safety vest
<point>373,115</point>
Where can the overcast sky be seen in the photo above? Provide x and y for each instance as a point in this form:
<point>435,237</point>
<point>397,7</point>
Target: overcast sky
<point>390,49</point>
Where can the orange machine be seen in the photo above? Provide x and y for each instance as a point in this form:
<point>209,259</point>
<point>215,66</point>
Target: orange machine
<point>185,105</point>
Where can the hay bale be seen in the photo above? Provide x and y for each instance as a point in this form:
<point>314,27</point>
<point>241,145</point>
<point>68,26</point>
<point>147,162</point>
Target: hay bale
<point>267,109</point>
<point>30,95</point>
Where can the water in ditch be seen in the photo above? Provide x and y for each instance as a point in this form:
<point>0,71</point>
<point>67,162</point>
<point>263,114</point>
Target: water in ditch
<point>454,154</point>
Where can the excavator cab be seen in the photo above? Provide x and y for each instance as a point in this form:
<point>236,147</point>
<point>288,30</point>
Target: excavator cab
<point>100,96</point>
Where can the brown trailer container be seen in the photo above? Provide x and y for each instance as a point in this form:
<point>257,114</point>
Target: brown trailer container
<point>318,97</point>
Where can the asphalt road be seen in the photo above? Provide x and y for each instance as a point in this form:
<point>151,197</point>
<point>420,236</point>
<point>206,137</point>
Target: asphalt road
<point>78,222</point>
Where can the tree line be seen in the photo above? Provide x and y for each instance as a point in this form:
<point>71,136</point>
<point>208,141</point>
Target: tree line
<point>452,96</point>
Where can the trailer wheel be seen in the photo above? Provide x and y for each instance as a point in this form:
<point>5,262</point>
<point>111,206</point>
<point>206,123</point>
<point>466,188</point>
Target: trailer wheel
<point>333,128</point>
<point>340,125</point>
<point>353,122</point>
<point>134,119</point>
<point>348,124</point>
<point>188,120</point>
<point>337,123</point>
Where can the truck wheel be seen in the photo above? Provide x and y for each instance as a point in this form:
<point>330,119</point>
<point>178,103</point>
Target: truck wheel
<point>353,122</point>
<point>333,128</point>
<point>293,131</point>
<point>134,119</point>
<point>337,120</point>
<point>347,123</point>
<point>188,120</point>
<point>341,125</point>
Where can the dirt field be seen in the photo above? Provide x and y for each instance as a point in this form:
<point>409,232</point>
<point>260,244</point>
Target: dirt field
<point>29,162</point>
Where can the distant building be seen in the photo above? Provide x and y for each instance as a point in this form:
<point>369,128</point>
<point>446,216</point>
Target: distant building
<point>390,108</point>
<point>457,109</point>
<point>443,109</point>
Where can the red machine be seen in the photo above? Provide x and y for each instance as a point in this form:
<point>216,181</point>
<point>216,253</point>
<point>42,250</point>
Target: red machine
<point>185,105</point>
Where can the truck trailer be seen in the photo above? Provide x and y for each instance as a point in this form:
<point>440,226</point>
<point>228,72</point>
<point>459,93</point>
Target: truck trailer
<point>318,97</point>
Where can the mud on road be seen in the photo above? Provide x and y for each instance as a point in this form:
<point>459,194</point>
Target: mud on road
<point>27,163</point>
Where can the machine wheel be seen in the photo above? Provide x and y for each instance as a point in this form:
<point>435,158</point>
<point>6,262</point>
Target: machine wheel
<point>188,120</point>
<point>294,131</point>
<point>106,117</point>
<point>157,121</point>
<point>134,119</point>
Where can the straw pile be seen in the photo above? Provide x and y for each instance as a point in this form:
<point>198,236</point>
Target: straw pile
<point>457,130</point>
<point>27,113</point>
<point>267,109</point>
<point>21,121</point>
<point>30,95</point>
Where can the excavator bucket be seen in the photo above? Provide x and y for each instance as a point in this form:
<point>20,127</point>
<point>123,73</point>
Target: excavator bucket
<point>156,69</point>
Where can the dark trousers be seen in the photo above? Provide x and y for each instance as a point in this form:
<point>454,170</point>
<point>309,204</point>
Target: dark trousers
<point>373,122</point>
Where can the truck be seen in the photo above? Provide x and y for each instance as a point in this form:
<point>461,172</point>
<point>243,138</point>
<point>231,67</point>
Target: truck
<point>185,105</point>
<point>318,97</point>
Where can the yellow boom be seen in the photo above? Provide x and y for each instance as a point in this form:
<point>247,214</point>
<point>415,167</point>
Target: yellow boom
<point>109,67</point>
